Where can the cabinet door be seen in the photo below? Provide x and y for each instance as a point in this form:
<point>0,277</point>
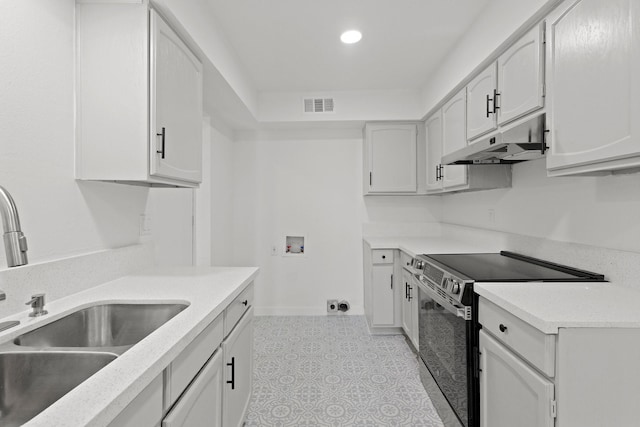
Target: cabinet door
<point>454,138</point>
<point>238,357</point>
<point>201,404</point>
<point>434,151</point>
<point>382,313</point>
<point>176,106</point>
<point>392,158</point>
<point>511,393</point>
<point>480,103</point>
<point>413,302</point>
<point>407,324</point>
<point>521,77</point>
<point>593,81</point>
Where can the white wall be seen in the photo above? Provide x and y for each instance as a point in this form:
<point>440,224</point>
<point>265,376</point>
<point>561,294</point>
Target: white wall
<point>170,216</point>
<point>348,106</point>
<point>181,218</point>
<point>308,183</point>
<point>596,211</point>
<point>203,200</point>
<point>59,215</point>
<point>222,193</point>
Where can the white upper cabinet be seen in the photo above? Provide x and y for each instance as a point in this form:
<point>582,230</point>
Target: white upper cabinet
<point>593,80</point>
<point>481,93</point>
<point>509,88</point>
<point>139,98</point>
<point>176,106</point>
<point>521,77</point>
<point>454,138</point>
<point>433,127</point>
<point>390,158</point>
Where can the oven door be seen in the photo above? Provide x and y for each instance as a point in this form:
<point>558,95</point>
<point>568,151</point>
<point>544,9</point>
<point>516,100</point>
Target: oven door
<point>445,346</point>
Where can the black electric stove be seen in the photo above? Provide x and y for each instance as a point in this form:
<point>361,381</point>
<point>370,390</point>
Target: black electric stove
<point>447,323</point>
<point>454,274</point>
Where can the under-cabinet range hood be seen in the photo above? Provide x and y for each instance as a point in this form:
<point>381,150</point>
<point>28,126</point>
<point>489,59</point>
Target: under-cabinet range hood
<point>521,142</point>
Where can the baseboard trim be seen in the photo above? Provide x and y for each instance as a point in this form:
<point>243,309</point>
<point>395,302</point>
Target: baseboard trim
<point>305,311</point>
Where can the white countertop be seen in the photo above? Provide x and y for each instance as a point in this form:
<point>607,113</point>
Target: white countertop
<point>550,306</point>
<point>95,402</point>
<point>430,245</point>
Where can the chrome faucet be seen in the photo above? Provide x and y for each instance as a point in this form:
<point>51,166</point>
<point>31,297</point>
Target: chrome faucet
<point>37,303</point>
<point>15,242</point>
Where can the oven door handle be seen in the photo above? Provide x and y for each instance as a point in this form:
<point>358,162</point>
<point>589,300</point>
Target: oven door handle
<point>463,312</point>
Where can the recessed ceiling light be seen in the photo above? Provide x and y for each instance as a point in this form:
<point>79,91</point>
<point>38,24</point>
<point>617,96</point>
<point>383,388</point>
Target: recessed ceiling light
<point>351,36</point>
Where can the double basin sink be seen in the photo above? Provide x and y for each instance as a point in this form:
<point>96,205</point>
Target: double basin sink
<point>40,366</point>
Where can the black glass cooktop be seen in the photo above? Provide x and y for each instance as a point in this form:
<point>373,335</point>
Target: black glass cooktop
<point>511,267</point>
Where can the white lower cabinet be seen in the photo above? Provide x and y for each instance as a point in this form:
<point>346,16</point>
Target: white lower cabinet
<point>208,383</point>
<point>193,381</point>
<point>238,356</point>
<point>201,404</point>
<point>381,300</point>
<point>410,308</point>
<point>577,377</point>
<point>511,393</point>
<point>382,292</point>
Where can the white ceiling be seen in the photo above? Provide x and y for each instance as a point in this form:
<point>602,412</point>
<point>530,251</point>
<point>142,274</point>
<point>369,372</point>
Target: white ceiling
<point>294,45</point>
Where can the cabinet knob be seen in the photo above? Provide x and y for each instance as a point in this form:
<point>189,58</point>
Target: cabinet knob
<point>384,256</point>
<point>245,302</point>
<point>502,328</point>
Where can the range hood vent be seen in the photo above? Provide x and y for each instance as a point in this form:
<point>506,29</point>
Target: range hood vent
<point>522,142</point>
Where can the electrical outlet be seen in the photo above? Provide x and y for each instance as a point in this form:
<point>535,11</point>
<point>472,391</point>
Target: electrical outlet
<point>344,306</point>
<point>332,305</point>
<point>274,250</point>
<point>145,225</point>
<point>492,216</point>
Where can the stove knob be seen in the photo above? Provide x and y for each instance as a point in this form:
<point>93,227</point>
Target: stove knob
<point>455,287</point>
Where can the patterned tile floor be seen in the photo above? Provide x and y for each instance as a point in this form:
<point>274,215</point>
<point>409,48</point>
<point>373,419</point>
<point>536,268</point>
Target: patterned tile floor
<point>328,371</point>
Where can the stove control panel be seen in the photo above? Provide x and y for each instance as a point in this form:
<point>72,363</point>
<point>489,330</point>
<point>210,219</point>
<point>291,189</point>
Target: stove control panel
<point>417,264</point>
<point>455,286</point>
<point>442,278</point>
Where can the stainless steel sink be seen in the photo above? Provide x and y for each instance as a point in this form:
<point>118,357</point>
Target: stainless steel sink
<point>30,382</point>
<point>113,326</point>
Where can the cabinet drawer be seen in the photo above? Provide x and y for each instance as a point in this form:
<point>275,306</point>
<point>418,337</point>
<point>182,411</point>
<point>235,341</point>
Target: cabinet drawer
<point>405,259</point>
<point>382,256</point>
<point>236,309</point>
<point>185,367</point>
<point>537,348</point>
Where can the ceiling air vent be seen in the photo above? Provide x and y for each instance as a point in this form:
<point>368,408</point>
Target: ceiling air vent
<point>318,105</point>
